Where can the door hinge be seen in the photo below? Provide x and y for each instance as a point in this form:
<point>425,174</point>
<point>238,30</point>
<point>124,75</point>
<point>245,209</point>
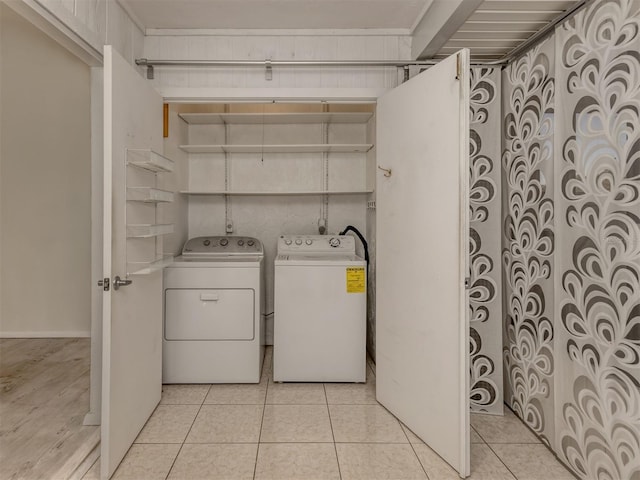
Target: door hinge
<point>467,283</point>
<point>268,70</point>
<point>104,283</point>
<point>458,67</point>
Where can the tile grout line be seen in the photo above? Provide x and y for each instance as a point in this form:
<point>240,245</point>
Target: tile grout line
<point>540,442</point>
<point>185,437</point>
<point>264,407</point>
<point>404,430</point>
<point>335,447</point>
<point>501,461</point>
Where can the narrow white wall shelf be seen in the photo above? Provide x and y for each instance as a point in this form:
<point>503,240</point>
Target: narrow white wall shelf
<point>258,193</point>
<point>149,195</point>
<point>274,118</point>
<point>300,148</point>
<point>149,160</point>
<point>145,268</point>
<point>148,230</point>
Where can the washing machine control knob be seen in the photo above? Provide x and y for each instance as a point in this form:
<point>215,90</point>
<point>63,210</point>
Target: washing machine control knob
<point>287,242</point>
<point>251,243</point>
<point>207,242</point>
<point>298,241</point>
<point>334,242</point>
<point>224,242</point>
<point>309,241</point>
<point>240,243</point>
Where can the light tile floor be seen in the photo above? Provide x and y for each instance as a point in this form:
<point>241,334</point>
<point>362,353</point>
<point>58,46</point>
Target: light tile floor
<point>313,432</point>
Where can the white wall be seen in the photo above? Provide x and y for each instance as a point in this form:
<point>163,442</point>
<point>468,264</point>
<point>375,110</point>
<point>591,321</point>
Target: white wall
<point>252,46</point>
<point>45,186</point>
<point>175,212</point>
<point>94,22</point>
<point>267,217</point>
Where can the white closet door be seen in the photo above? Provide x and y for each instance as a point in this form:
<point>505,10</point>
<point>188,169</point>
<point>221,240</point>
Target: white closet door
<point>132,315</point>
<point>422,330</point>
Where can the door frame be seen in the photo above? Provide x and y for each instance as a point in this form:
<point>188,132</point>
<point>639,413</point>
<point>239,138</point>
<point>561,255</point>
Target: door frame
<point>67,38</point>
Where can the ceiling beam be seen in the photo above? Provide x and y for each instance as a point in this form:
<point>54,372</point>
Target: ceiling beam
<point>439,22</point>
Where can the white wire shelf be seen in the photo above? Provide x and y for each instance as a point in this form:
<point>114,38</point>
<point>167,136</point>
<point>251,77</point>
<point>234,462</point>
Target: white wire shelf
<point>299,148</point>
<point>145,268</point>
<point>149,195</point>
<point>149,160</point>
<point>275,118</point>
<point>272,193</point>
<point>148,230</point>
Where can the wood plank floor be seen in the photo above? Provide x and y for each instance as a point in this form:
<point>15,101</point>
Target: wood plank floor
<point>44,395</point>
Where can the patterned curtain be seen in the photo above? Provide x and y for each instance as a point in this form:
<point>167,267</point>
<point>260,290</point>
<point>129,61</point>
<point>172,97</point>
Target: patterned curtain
<point>571,240</point>
<point>484,296</point>
<point>528,239</point>
<point>598,237</point>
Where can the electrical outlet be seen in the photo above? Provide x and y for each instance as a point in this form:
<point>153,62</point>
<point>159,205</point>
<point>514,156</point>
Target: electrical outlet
<point>322,226</point>
<point>371,204</point>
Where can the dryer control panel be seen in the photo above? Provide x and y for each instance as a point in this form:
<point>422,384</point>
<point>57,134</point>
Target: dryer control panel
<point>317,244</point>
<point>222,245</point>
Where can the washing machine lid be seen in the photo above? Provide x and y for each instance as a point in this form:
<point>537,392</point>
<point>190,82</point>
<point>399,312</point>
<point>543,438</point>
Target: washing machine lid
<point>217,261</point>
<point>320,260</point>
<point>222,246</point>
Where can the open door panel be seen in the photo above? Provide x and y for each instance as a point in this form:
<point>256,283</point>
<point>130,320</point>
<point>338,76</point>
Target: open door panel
<point>132,314</point>
<point>422,330</point>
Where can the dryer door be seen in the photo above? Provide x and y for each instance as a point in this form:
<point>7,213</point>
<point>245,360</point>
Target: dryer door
<point>209,314</point>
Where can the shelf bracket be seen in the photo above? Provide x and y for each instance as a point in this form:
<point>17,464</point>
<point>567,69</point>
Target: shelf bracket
<point>268,70</point>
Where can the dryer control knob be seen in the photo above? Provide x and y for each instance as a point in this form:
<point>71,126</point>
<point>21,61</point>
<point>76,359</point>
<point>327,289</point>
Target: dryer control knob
<point>298,241</point>
<point>240,243</point>
<point>334,242</point>
<point>251,243</point>
<point>207,242</point>
<point>224,242</point>
<point>309,241</point>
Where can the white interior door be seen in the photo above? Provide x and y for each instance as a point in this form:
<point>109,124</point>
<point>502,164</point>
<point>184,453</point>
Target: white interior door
<point>422,330</point>
<point>132,315</point>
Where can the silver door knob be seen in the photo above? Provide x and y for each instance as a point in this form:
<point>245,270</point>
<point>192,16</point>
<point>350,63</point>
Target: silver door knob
<point>118,282</point>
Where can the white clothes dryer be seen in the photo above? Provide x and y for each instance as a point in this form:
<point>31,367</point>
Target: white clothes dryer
<point>320,309</point>
<point>213,312</point>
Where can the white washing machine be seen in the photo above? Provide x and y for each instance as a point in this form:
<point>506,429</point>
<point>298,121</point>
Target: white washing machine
<point>213,312</point>
<point>320,309</point>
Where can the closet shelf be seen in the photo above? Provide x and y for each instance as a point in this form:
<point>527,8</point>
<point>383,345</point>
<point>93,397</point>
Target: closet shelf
<point>272,193</point>
<point>145,268</point>
<point>149,160</point>
<point>148,230</point>
<point>274,118</point>
<point>149,195</point>
<point>301,148</point>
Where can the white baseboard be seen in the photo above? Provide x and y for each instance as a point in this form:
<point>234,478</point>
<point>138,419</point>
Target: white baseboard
<point>92,418</point>
<point>54,334</point>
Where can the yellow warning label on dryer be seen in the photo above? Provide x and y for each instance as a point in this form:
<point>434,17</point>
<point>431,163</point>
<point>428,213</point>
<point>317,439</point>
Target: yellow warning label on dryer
<point>356,281</point>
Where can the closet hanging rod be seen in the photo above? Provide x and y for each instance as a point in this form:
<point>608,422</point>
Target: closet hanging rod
<point>283,63</point>
<point>269,64</point>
